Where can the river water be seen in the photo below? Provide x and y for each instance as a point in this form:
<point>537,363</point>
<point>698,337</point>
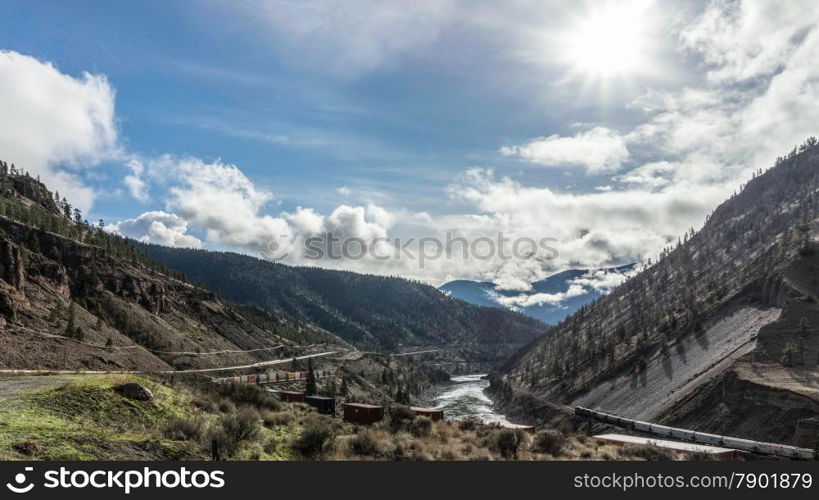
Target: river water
<point>464,397</point>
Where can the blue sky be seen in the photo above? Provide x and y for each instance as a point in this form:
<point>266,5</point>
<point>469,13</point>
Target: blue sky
<point>612,128</point>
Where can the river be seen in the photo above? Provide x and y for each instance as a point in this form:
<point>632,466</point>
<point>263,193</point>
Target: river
<point>463,396</point>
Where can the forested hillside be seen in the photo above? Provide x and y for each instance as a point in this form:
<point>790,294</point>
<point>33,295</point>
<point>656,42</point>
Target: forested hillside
<point>368,311</point>
<point>724,307</point>
<point>74,296</point>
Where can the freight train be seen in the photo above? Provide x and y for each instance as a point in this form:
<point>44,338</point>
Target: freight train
<point>271,377</point>
<point>759,447</point>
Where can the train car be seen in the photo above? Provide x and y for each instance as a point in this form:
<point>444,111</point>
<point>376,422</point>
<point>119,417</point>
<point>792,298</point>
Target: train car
<point>434,414</point>
<point>360,413</point>
<point>292,396</point>
<point>251,379</point>
<point>262,378</point>
<point>324,405</point>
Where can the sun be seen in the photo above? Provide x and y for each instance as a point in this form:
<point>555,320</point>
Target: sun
<point>609,41</point>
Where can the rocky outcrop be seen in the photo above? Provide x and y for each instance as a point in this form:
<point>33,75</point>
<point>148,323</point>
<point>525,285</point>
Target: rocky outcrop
<point>134,391</point>
<point>12,267</point>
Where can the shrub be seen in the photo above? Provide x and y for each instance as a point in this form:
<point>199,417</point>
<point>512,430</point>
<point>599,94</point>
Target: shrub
<point>250,395</point>
<point>205,405</point>
<point>236,430</point>
<point>226,406</point>
<point>549,441</point>
<point>271,419</point>
<point>652,453</point>
<point>27,448</point>
<point>421,427</point>
<point>185,429</point>
<point>507,442</point>
<point>314,441</point>
<point>401,417</point>
<point>468,424</point>
<point>364,444</point>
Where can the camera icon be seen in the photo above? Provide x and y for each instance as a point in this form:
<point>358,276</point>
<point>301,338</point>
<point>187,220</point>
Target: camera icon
<point>20,480</point>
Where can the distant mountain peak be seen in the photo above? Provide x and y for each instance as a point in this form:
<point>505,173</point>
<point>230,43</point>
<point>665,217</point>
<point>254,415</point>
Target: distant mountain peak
<point>549,300</point>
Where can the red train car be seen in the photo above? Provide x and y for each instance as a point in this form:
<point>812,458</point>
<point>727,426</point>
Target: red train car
<point>292,396</point>
<point>360,413</point>
<point>434,414</point>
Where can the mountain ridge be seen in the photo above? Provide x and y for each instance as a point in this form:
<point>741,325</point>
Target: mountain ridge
<point>738,266</point>
<point>486,294</point>
<point>369,311</point>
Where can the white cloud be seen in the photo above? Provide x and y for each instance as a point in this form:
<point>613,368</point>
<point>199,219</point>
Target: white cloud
<point>157,227</point>
<point>53,121</point>
<point>598,150</point>
<point>592,230</point>
<point>137,187</point>
<point>745,39</point>
<point>602,280</point>
<point>221,200</point>
<point>538,299</point>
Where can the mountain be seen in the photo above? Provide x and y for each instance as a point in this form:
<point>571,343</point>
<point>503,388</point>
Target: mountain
<point>720,335</point>
<point>373,312</point>
<point>75,297</point>
<point>486,294</point>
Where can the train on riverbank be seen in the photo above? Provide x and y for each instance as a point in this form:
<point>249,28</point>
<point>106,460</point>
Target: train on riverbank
<point>759,447</point>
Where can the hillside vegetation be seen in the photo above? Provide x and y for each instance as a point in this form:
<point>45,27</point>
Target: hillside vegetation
<point>368,311</point>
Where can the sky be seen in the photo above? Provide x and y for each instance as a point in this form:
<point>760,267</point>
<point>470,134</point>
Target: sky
<point>608,129</point>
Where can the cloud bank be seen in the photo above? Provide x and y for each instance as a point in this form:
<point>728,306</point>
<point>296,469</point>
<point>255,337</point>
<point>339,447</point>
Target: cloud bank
<point>56,124</point>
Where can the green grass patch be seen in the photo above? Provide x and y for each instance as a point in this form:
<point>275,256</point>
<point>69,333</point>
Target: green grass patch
<point>86,419</point>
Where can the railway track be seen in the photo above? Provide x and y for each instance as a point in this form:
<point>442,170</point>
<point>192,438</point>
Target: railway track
<point>162,372</point>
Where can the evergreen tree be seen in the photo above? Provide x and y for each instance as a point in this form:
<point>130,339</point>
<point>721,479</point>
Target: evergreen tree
<point>310,388</point>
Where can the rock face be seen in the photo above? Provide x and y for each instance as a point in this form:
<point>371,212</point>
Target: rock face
<point>135,391</point>
<point>807,432</point>
<point>11,264</point>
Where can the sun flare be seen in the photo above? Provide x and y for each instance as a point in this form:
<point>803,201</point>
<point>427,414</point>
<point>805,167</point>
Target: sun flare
<point>609,42</point>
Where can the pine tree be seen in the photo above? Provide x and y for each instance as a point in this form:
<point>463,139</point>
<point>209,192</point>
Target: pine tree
<point>310,388</point>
